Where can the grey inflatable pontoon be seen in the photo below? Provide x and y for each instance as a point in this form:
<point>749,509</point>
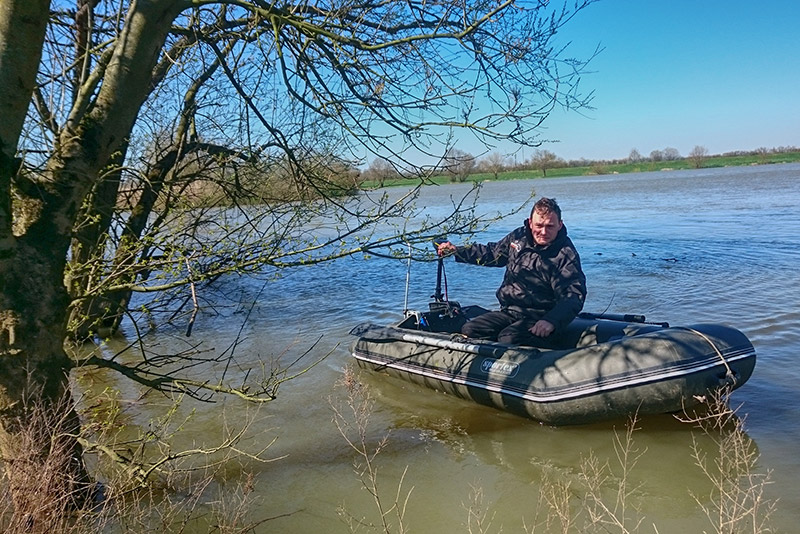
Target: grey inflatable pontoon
<point>605,367</point>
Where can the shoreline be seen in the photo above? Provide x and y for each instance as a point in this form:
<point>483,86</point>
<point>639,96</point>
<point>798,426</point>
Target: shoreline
<point>599,169</point>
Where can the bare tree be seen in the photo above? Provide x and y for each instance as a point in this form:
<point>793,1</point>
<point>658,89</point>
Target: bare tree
<point>543,160</point>
<point>698,156</point>
<point>494,162</point>
<point>656,155</point>
<point>380,170</point>
<point>635,156</point>
<point>458,164</point>
<point>763,153</point>
<point>671,154</point>
<point>150,107</point>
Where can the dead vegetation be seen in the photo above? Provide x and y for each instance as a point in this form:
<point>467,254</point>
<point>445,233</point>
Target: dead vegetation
<point>601,498</point>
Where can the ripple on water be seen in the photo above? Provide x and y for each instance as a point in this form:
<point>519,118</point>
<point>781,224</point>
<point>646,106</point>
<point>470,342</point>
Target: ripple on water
<point>674,246</point>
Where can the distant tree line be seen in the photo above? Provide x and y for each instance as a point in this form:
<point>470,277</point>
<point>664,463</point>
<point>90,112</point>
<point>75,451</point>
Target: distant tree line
<point>458,165</point>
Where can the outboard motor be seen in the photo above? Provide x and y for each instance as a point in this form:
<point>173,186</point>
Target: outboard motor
<point>444,315</point>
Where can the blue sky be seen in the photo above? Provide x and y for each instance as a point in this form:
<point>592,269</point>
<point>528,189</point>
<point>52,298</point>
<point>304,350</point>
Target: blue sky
<point>723,74</point>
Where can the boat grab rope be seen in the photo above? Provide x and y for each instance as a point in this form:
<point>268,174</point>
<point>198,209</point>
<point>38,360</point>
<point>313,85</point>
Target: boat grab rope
<point>730,376</point>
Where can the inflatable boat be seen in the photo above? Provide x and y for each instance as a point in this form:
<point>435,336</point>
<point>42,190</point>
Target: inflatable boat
<point>603,367</point>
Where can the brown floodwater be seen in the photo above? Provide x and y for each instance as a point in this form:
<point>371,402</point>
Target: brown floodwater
<point>717,245</point>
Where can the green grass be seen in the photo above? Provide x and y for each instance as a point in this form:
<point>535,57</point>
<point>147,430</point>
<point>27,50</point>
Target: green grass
<point>607,168</point>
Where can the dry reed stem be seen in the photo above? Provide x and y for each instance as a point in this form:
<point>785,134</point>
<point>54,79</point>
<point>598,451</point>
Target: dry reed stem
<point>601,499</point>
<point>738,503</point>
<point>479,521</point>
<point>37,496</point>
<point>39,489</point>
<point>352,420</point>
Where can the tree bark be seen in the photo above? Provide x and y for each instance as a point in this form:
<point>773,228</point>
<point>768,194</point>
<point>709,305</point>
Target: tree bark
<point>34,247</point>
<point>89,311</point>
<point>22,29</point>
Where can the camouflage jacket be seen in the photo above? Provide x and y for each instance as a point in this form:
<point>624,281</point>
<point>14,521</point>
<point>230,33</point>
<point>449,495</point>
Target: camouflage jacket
<point>545,282</point>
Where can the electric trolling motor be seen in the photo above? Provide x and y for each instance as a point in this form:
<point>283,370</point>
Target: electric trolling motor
<point>441,305</point>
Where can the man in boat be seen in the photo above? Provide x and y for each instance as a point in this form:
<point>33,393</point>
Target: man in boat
<point>544,287</point>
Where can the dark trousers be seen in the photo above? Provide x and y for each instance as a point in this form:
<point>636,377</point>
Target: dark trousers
<point>506,328</point>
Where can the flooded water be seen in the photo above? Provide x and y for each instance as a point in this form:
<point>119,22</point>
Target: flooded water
<point>719,245</point>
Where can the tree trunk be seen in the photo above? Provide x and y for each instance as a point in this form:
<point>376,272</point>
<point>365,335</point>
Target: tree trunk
<point>34,371</point>
<point>90,244</point>
<point>102,314</point>
<point>35,239</point>
<point>32,296</point>
<point>22,29</point>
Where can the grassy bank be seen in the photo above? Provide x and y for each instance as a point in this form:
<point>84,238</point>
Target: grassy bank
<point>608,168</point>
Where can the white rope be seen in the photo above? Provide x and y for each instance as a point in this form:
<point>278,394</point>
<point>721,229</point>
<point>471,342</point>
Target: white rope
<point>730,372</point>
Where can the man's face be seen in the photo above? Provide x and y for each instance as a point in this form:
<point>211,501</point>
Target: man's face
<point>544,227</point>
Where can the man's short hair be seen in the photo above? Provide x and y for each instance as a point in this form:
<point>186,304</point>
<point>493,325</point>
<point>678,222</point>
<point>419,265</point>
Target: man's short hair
<point>546,205</point>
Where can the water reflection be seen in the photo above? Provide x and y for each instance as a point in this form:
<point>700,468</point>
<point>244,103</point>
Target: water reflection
<point>659,466</point>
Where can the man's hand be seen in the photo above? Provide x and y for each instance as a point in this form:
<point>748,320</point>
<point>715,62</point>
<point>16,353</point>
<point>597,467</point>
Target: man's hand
<point>445,249</point>
<point>542,328</point>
